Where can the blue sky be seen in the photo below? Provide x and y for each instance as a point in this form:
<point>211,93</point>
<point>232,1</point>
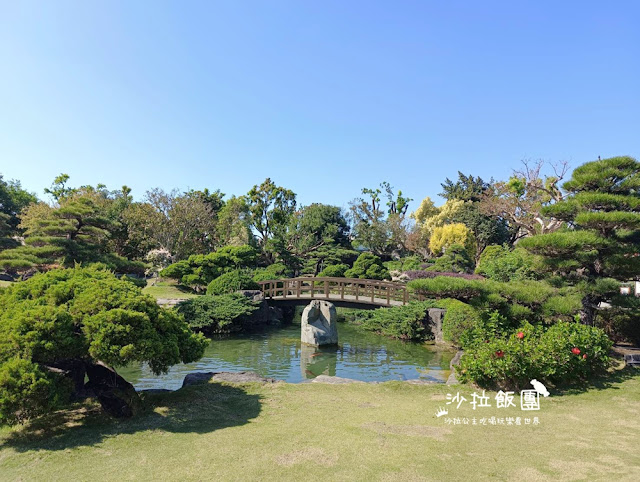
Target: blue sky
<point>323,97</point>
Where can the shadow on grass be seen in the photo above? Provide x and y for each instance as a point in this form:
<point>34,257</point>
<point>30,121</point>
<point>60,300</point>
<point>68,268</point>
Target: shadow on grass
<point>607,381</point>
<point>196,409</point>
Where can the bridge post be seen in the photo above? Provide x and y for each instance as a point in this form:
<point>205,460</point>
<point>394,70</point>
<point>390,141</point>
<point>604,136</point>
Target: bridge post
<point>313,287</point>
<point>326,288</point>
<point>298,287</point>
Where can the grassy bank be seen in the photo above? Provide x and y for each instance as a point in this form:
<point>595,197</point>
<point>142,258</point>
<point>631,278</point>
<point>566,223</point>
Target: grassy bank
<point>329,432</point>
<point>169,290</point>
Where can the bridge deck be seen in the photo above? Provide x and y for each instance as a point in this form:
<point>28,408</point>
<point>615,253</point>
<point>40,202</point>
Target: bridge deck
<point>343,291</point>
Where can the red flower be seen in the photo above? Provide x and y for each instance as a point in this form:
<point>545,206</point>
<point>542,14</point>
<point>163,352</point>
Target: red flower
<point>584,356</point>
<point>520,335</point>
<point>499,353</point>
<point>575,351</point>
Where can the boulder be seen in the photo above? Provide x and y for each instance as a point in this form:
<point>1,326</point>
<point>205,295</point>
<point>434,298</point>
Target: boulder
<point>436,315</point>
<point>319,324</point>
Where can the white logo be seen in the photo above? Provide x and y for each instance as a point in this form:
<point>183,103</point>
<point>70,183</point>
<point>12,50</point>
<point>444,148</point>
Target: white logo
<point>540,388</point>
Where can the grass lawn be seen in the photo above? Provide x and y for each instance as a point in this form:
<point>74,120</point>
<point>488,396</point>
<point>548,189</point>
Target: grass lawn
<point>313,431</point>
<point>167,290</point>
<point>4,284</point>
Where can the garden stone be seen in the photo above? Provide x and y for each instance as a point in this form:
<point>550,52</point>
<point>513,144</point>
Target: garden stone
<point>319,324</point>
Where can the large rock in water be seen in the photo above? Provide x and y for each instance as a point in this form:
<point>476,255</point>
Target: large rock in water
<point>319,324</point>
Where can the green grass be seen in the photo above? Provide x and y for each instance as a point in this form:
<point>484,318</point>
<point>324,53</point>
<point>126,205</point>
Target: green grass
<point>334,432</point>
<point>167,290</point>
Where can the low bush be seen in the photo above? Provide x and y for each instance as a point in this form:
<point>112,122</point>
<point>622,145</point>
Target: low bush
<point>334,271</point>
<point>404,264</point>
<point>271,272</point>
<point>217,314</point>
<point>561,353</point>
<point>368,266</point>
<point>404,322</point>
<point>456,259</point>
<point>200,269</point>
<point>500,263</point>
<point>459,322</point>
<point>448,287</point>
<point>232,281</point>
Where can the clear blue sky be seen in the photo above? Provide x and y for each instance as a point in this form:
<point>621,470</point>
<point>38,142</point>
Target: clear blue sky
<point>325,97</point>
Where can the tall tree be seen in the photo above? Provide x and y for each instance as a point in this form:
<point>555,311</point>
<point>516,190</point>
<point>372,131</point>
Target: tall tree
<point>466,188</point>
<point>316,233</point>
<point>382,231</point>
<point>521,200</point>
<point>270,208</point>
<point>184,224</point>
<point>13,199</point>
<point>601,245</point>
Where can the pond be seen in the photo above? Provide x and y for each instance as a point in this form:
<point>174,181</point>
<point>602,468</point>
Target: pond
<point>278,353</point>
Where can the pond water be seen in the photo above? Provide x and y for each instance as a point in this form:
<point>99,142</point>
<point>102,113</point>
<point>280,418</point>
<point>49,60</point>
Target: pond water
<point>278,353</point>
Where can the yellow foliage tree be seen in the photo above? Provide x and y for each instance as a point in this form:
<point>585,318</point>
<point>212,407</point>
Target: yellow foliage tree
<point>426,210</point>
<point>456,233</point>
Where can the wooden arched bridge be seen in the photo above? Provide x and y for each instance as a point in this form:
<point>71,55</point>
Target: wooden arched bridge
<point>347,292</point>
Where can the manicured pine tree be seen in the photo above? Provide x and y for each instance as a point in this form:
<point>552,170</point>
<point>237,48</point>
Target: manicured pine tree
<point>600,246</point>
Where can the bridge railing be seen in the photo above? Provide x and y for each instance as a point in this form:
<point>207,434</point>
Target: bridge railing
<point>347,289</point>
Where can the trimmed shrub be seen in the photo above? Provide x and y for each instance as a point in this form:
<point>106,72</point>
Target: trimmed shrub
<point>404,264</point>
<point>460,321</point>
<point>447,287</point>
<point>456,259</point>
<point>500,263</point>
<point>27,391</point>
<point>562,353</point>
<point>334,271</point>
<point>176,270</point>
<point>273,271</point>
<point>230,282</point>
<point>368,266</point>
<point>139,282</point>
<point>200,269</point>
<point>217,314</point>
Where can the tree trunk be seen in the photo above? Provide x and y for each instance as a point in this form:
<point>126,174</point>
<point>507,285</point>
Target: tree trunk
<point>588,311</point>
<point>116,395</point>
<point>74,369</point>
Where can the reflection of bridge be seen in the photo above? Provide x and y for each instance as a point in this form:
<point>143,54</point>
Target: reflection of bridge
<point>348,292</point>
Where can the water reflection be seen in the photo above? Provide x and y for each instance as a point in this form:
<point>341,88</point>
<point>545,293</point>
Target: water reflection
<point>278,353</point>
<point>316,361</point>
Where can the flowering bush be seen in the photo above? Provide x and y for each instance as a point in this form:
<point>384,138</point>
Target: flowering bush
<point>562,353</point>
